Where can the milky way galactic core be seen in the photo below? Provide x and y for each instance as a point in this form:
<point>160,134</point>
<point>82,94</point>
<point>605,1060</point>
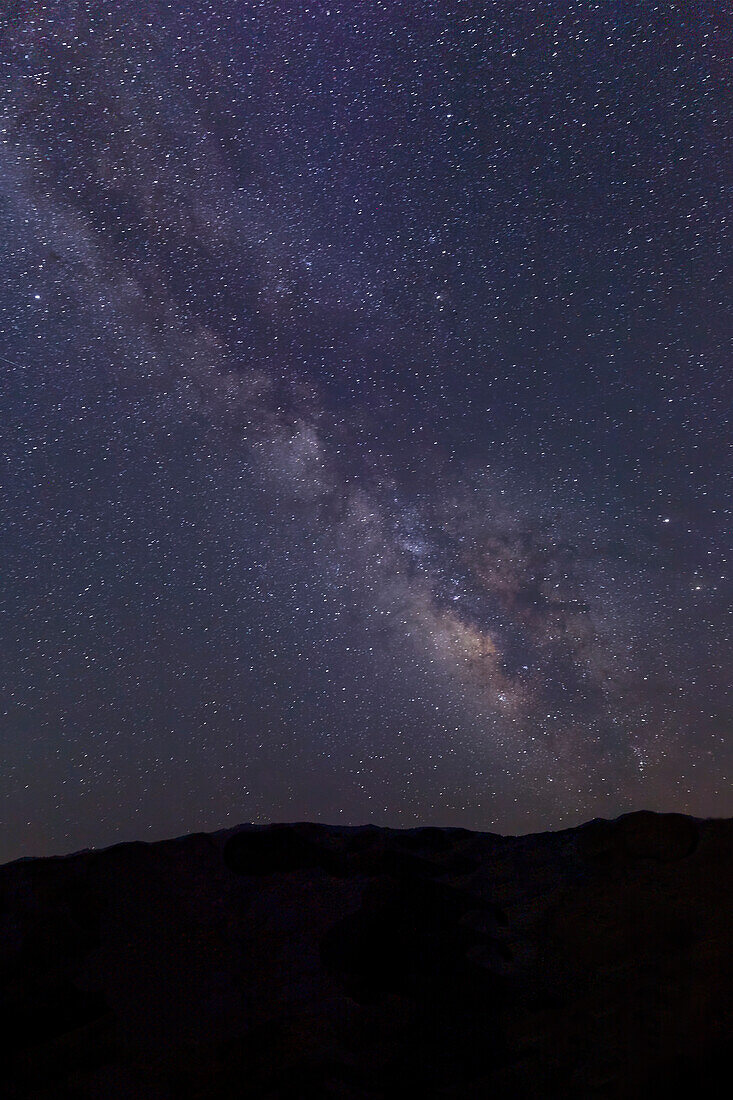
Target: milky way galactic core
<point>365,394</point>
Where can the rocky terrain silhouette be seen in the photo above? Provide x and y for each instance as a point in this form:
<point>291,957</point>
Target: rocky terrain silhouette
<point>298,961</point>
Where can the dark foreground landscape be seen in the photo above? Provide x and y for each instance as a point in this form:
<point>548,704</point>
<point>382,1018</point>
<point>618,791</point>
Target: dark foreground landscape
<point>313,961</point>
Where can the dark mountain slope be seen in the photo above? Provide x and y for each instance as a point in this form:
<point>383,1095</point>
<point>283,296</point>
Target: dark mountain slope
<point>314,961</point>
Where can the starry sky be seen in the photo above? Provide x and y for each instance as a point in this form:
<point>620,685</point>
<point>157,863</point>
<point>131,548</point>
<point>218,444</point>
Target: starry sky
<point>365,442</point>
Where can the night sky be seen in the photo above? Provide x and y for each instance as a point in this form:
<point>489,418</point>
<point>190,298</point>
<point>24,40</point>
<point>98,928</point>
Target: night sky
<point>365,442</point>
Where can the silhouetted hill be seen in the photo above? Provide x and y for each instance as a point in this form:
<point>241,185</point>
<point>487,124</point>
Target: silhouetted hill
<point>314,961</point>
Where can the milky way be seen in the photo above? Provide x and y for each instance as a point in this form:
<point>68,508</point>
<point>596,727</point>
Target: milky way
<point>365,394</point>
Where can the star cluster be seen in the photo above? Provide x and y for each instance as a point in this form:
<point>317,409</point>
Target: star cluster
<point>365,442</point>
